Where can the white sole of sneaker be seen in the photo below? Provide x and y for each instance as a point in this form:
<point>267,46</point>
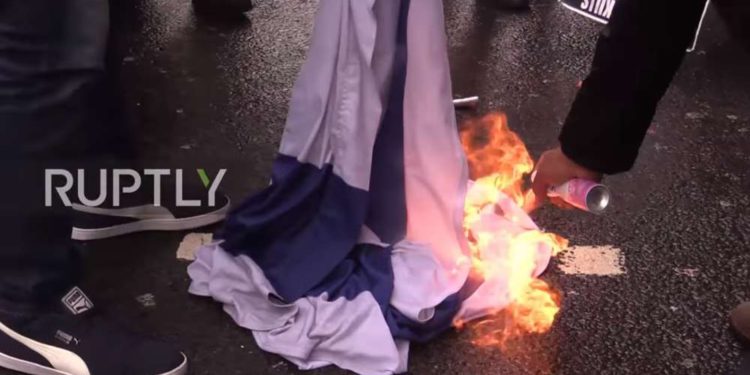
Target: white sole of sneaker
<point>160,224</point>
<point>27,367</point>
<point>59,358</point>
<point>181,370</point>
<point>31,368</point>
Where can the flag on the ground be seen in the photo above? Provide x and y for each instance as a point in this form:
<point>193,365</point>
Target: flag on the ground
<point>351,252</point>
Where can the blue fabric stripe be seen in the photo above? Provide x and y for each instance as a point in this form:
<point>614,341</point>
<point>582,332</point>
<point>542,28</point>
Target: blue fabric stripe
<point>387,212</point>
<point>299,228</point>
<point>368,268</point>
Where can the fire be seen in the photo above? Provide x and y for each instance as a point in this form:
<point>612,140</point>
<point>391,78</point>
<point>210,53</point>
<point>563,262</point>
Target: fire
<point>498,162</point>
<point>502,160</point>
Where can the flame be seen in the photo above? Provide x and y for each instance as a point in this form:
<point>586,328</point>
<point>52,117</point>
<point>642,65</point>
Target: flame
<point>498,162</point>
<point>502,160</point>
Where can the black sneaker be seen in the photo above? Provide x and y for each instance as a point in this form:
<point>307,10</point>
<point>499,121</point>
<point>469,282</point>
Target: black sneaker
<point>76,341</point>
<point>93,223</point>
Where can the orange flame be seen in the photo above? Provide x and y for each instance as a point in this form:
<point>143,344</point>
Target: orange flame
<point>501,160</point>
<point>498,162</point>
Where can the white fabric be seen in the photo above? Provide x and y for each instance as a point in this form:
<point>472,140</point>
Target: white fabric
<point>436,169</point>
<point>337,101</point>
<point>493,294</point>
<point>418,280</point>
<point>312,332</point>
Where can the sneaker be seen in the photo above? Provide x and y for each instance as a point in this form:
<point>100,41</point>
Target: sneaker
<point>740,319</point>
<point>74,340</point>
<point>93,223</point>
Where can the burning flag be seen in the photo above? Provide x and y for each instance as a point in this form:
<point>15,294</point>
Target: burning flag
<point>507,248</point>
<point>367,239</point>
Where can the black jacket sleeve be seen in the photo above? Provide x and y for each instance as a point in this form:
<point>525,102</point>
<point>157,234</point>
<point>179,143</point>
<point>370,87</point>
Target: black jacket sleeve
<point>637,55</point>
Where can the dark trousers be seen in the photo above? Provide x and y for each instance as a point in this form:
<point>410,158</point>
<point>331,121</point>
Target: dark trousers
<point>55,112</point>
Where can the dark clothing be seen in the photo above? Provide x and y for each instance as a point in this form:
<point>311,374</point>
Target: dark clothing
<point>637,55</point>
<point>54,112</point>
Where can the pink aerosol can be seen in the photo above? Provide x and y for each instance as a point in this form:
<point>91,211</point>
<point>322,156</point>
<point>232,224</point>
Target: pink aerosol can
<point>583,194</point>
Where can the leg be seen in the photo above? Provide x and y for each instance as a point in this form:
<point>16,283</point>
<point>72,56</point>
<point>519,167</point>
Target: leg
<point>52,109</point>
<point>54,113</point>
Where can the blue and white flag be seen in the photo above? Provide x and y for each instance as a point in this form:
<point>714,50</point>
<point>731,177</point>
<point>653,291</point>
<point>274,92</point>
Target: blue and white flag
<point>351,252</point>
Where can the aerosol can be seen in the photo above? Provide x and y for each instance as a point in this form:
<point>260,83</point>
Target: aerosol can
<point>583,194</point>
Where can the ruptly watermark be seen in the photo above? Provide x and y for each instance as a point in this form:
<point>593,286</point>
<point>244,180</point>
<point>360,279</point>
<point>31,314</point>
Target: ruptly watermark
<point>118,182</point>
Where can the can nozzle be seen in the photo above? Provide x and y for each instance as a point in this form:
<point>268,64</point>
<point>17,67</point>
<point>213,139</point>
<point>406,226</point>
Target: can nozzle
<point>583,194</point>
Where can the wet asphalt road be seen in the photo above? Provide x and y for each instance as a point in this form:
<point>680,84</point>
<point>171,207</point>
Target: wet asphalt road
<point>213,94</point>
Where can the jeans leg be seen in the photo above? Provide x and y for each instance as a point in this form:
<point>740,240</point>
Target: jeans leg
<point>53,114</point>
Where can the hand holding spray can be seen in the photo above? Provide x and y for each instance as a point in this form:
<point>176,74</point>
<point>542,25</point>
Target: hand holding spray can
<point>583,194</point>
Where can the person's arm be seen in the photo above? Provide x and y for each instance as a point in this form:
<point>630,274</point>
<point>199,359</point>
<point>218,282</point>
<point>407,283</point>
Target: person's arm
<point>637,55</point>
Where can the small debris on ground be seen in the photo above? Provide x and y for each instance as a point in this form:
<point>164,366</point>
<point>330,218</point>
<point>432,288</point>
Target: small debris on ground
<point>695,115</point>
<point>191,243</point>
<point>688,363</point>
<point>689,272</point>
<point>146,300</point>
